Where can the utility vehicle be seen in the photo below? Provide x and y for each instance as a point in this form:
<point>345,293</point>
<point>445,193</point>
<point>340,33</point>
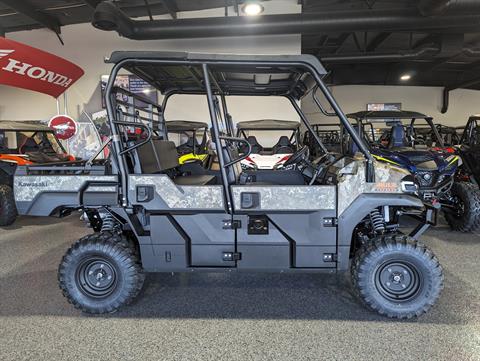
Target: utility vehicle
<point>432,163</point>
<point>449,135</point>
<point>329,134</point>
<point>23,143</point>
<point>191,139</point>
<point>275,156</point>
<point>328,214</point>
<point>469,150</point>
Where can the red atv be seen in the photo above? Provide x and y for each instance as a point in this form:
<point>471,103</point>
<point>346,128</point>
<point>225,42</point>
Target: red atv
<point>24,143</point>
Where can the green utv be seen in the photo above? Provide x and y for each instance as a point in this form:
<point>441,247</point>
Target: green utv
<point>327,213</point>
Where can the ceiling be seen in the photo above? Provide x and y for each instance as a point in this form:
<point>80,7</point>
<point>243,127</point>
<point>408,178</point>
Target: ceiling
<point>436,42</point>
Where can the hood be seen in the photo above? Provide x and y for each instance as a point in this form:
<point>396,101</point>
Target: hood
<point>417,160</point>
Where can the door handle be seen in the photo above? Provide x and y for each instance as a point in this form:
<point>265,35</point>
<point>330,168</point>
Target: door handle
<point>249,200</point>
<point>144,193</point>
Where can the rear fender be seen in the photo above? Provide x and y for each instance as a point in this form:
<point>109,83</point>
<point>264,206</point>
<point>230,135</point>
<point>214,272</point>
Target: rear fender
<point>42,195</point>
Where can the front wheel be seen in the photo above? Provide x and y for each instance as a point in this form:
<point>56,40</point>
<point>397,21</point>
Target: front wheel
<point>464,216</point>
<point>397,277</point>
<point>99,274</point>
<point>8,210</point>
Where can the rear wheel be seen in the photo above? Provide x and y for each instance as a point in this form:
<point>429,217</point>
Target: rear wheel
<point>100,273</point>
<point>465,214</point>
<point>397,277</point>
<point>8,210</point>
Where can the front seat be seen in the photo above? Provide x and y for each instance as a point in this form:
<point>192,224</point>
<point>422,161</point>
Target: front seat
<point>188,146</point>
<point>256,147</point>
<point>397,137</point>
<point>283,146</point>
<point>29,146</point>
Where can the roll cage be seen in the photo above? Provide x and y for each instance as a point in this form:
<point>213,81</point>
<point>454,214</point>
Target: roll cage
<point>219,76</point>
<point>471,132</point>
<point>366,119</point>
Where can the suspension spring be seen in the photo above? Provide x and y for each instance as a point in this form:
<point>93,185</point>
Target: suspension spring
<point>109,224</point>
<point>378,223</point>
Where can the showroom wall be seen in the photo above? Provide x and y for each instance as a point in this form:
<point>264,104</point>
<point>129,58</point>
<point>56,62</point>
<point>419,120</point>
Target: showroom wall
<point>426,100</point>
<point>87,47</point>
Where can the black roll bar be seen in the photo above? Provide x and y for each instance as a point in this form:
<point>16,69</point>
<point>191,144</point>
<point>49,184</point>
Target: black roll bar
<point>116,140</point>
<point>216,135</point>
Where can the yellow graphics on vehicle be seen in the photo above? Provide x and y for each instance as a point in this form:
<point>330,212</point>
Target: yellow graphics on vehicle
<point>190,157</point>
<point>191,139</point>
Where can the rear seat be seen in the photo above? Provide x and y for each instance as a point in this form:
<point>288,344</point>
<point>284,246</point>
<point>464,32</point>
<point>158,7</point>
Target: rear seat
<point>159,156</point>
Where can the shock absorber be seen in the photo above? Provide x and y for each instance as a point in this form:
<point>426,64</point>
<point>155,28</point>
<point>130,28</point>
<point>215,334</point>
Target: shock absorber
<point>109,224</point>
<point>377,221</point>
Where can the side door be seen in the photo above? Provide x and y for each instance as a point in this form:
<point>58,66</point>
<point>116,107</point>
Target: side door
<point>189,225</point>
<point>285,226</point>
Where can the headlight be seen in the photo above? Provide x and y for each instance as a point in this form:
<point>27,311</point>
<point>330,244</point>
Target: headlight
<point>424,178</point>
<point>409,187</point>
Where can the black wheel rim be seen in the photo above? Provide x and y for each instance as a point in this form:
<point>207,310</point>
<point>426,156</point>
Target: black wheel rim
<point>96,277</point>
<point>398,281</point>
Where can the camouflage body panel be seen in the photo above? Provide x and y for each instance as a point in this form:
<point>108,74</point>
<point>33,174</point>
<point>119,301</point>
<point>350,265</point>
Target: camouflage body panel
<point>295,198</point>
<point>27,188</point>
<point>177,197</point>
<point>352,182</point>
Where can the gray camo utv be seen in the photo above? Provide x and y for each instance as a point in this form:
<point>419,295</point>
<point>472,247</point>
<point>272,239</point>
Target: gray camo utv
<point>326,213</point>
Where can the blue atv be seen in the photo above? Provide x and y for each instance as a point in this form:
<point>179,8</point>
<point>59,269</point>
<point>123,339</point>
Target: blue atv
<point>398,138</point>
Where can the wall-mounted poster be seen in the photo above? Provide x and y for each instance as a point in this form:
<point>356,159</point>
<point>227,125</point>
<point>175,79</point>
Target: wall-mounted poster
<point>132,83</point>
<point>384,106</point>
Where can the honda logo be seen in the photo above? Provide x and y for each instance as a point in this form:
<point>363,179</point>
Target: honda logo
<point>23,66</point>
<point>34,72</point>
<point>5,52</point>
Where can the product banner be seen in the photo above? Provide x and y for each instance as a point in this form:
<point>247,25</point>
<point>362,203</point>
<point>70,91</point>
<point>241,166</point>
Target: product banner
<point>23,66</point>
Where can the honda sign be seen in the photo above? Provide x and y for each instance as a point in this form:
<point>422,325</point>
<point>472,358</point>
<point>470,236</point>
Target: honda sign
<point>23,66</point>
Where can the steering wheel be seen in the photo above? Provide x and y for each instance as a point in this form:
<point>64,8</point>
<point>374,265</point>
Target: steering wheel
<point>296,157</point>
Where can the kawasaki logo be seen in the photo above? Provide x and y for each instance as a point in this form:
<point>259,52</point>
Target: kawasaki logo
<point>32,184</point>
<point>34,72</point>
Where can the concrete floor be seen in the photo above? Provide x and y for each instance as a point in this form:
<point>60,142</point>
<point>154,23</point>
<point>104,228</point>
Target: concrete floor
<point>231,317</point>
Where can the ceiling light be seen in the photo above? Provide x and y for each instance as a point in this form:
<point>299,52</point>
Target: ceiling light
<point>252,8</point>
<point>405,77</point>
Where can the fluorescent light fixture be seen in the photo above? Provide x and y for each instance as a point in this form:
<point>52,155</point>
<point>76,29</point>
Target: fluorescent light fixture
<point>252,8</point>
<point>405,77</point>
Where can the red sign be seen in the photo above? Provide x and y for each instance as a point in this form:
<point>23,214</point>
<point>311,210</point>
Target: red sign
<point>25,67</point>
<point>65,127</point>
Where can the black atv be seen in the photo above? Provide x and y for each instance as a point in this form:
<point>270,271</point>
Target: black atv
<point>403,142</point>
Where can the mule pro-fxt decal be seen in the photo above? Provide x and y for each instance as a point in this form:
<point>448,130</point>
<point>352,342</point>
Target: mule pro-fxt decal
<point>352,182</point>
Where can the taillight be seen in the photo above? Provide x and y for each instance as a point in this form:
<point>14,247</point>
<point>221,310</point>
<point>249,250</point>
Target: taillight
<point>284,159</point>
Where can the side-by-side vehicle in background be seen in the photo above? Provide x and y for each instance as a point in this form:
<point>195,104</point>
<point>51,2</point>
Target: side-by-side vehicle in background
<point>469,150</point>
<point>328,213</point>
<point>402,141</point>
<point>274,156</point>
<point>24,143</point>
<point>191,139</point>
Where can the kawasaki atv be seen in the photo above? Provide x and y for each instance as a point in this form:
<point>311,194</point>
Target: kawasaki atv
<point>24,143</point>
<point>328,213</point>
<point>431,163</point>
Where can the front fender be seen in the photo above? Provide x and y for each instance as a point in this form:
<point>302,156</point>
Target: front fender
<point>358,210</point>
